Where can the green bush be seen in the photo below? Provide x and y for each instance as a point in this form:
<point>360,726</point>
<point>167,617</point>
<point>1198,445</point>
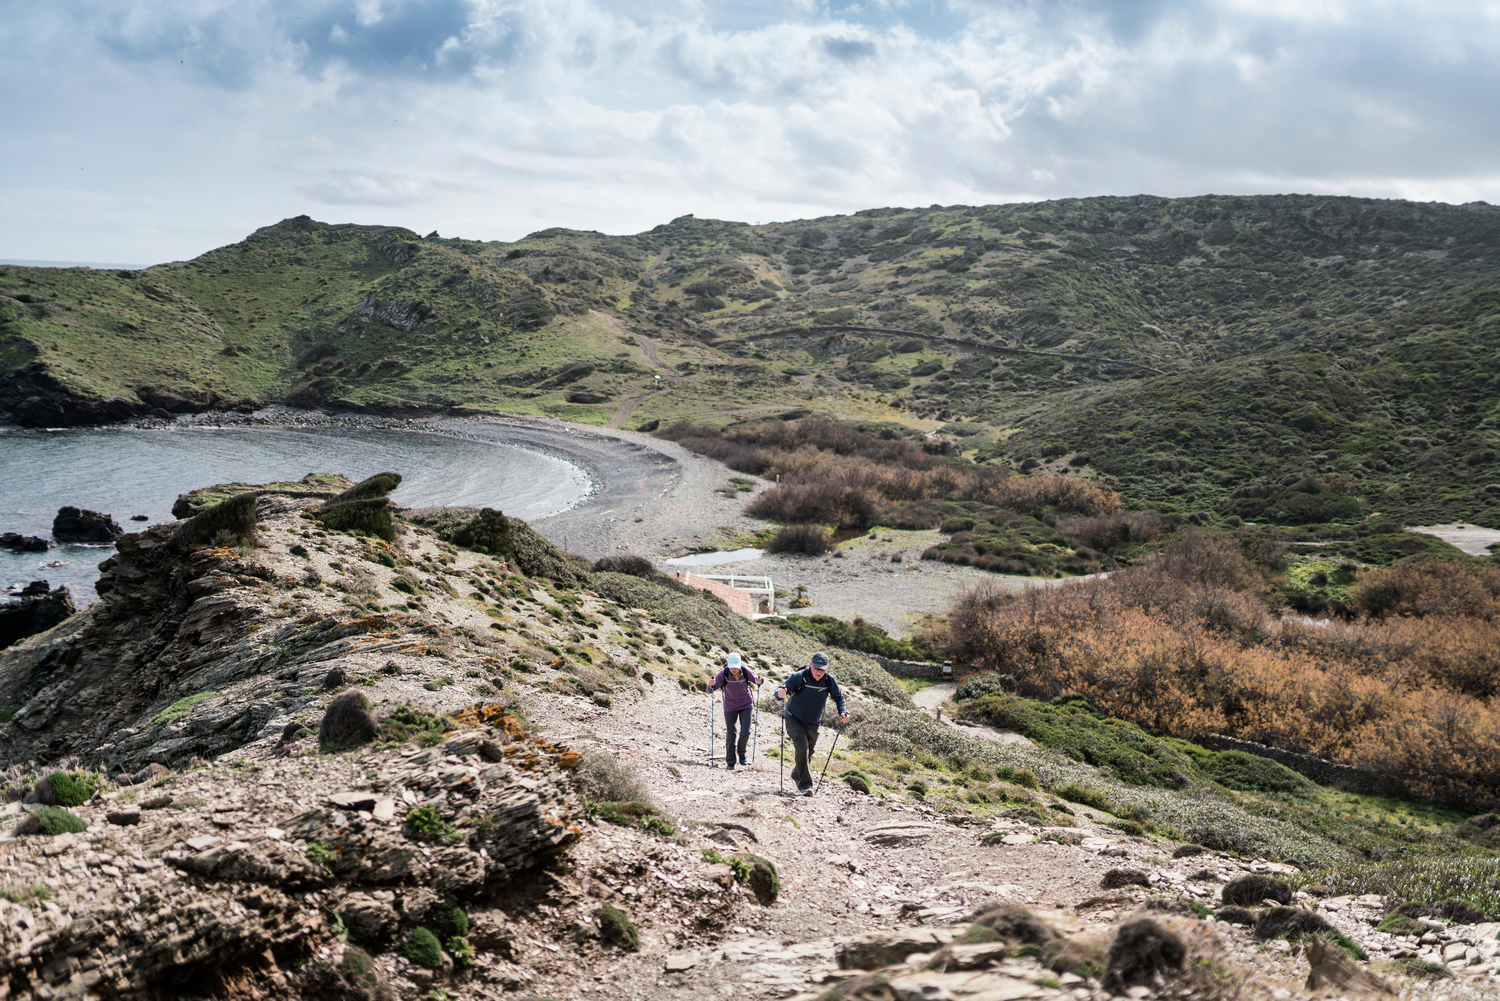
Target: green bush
<point>1253,773</point>
<point>228,523</point>
<point>1084,796</point>
<point>69,790</point>
<point>360,517</point>
<point>422,947</point>
<point>488,531</point>
<point>451,918</point>
<point>615,927</point>
<point>367,489</point>
<point>979,685</point>
<point>54,820</point>
<point>1080,731</point>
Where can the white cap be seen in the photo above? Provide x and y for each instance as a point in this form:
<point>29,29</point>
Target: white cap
<point>733,661</point>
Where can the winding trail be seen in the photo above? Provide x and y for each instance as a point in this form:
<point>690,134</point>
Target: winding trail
<point>648,347</point>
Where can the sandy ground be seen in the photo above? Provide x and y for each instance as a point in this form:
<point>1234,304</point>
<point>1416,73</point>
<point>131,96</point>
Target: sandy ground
<point>658,500</point>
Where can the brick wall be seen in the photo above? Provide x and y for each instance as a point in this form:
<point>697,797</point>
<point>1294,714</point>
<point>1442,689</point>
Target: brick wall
<point>739,602</point>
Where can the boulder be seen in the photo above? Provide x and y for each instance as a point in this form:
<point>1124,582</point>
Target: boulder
<point>77,525</point>
<point>876,949</point>
<point>24,543</point>
<point>36,610</point>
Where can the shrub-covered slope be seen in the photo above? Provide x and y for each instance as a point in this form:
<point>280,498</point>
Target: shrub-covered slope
<point>1191,349</point>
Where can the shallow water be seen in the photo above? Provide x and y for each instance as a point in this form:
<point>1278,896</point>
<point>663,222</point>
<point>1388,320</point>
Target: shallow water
<point>140,471</point>
<point>716,558</point>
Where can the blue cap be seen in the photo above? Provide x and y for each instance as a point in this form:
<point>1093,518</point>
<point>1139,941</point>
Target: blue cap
<point>820,660</point>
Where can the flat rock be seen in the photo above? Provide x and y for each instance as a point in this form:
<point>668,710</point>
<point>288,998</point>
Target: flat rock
<point>353,800</point>
<point>123,818</point>
<point>679,962</point>
<point>900,832</point>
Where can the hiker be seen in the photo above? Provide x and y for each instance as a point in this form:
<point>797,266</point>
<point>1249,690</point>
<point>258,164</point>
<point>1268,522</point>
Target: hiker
<point>806,692</point>
<point>739,702</point>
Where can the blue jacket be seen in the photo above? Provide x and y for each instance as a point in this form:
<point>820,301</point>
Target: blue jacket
<point>805,698</point>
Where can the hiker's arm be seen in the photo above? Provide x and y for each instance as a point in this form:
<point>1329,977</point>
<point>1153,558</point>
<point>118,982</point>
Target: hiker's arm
<point>838,699</point>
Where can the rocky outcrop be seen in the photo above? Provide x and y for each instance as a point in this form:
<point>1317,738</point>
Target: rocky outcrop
<point>404,316</point>
<point>35,610</point>
<point>79,525</point>
<point>32,397</point>
<point>24,543</point>
<point>227,881</point>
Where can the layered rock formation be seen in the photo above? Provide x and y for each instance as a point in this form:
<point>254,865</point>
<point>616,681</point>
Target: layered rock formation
<point>36,609</point>
<point>222,881</point>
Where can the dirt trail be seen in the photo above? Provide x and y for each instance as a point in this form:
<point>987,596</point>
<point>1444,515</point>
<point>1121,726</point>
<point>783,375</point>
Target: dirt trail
<point>648,347</point>
<point>849,863</point>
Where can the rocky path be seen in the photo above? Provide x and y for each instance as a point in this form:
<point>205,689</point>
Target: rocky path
<point>854,865</point>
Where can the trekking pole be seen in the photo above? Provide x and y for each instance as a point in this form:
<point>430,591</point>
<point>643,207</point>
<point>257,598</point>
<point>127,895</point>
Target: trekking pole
<point>835,747</point>
<point>755,733</point>
<point>712,763</point>
<point>782,755</point>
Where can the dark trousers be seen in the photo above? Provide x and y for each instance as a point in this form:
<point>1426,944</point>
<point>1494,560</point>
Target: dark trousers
<point>733,718</point>
<point>804,742</point>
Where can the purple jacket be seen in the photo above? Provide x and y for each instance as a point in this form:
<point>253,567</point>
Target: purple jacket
<point>737,694</point>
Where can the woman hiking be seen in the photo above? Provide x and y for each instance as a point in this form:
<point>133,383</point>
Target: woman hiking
<point>739,702</point>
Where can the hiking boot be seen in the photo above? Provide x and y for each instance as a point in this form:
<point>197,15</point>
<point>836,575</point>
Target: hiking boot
<point>744,763</point>
<point>731,766</point>
<point>807,791</point>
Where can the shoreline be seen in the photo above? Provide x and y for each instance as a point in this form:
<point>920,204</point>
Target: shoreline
<point>652,498</point>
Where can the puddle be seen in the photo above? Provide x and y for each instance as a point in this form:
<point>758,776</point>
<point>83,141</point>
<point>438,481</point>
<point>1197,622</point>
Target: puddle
<point>716,558</point>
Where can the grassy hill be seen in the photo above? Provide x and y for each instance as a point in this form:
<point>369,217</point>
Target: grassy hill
<point>1291,358</point>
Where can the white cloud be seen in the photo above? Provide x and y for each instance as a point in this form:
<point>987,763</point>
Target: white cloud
<point>198,120</point>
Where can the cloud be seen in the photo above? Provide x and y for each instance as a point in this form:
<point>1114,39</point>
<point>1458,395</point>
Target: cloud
<point>471,116</point>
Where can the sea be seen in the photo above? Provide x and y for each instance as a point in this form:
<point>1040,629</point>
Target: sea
<point>129,472</point>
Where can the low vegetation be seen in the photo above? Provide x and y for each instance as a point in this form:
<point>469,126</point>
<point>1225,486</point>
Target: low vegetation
<point>1185,645</point>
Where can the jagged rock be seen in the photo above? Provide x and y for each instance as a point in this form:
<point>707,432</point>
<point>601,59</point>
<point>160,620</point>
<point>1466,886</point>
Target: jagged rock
<point>34,611</point>
<point>369,917</point>
<point>873,950</point>
<point>79,525</point>
<point>24,543</point>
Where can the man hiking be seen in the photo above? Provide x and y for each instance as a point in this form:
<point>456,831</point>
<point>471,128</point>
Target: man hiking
<point>806,692</point>
<point>739,702</point>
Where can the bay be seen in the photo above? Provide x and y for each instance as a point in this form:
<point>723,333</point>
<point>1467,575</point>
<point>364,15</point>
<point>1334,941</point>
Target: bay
<point>140,471</point>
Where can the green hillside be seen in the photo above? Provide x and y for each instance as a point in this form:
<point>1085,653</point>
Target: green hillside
<point>1204,354</point>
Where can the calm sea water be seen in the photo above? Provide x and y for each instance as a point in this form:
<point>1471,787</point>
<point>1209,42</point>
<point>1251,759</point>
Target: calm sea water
<point>134,471</point>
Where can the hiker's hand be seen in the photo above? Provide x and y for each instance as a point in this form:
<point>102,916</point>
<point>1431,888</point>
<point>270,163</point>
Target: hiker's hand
<point>780,693</point>
<point>843,717</point>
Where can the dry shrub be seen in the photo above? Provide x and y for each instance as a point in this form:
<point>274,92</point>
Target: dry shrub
<point>1142,950</point>
<point>831,472</point>
<point>1108,532</point>
<point>604,778</point>
<point>807,539</point>
<point>347,722</point>
<point>1249,891</point>
<point>1431,587</point>
<point>1185,644</point>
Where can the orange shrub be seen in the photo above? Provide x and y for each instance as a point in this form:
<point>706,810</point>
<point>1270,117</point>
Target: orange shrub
<point>1184,645</point>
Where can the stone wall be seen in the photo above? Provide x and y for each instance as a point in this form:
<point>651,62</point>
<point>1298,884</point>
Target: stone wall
<point>1326,773</point>
<point>913,669</point>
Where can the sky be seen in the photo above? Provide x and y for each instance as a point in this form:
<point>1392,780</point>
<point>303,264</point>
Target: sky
<point>141,132</point>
